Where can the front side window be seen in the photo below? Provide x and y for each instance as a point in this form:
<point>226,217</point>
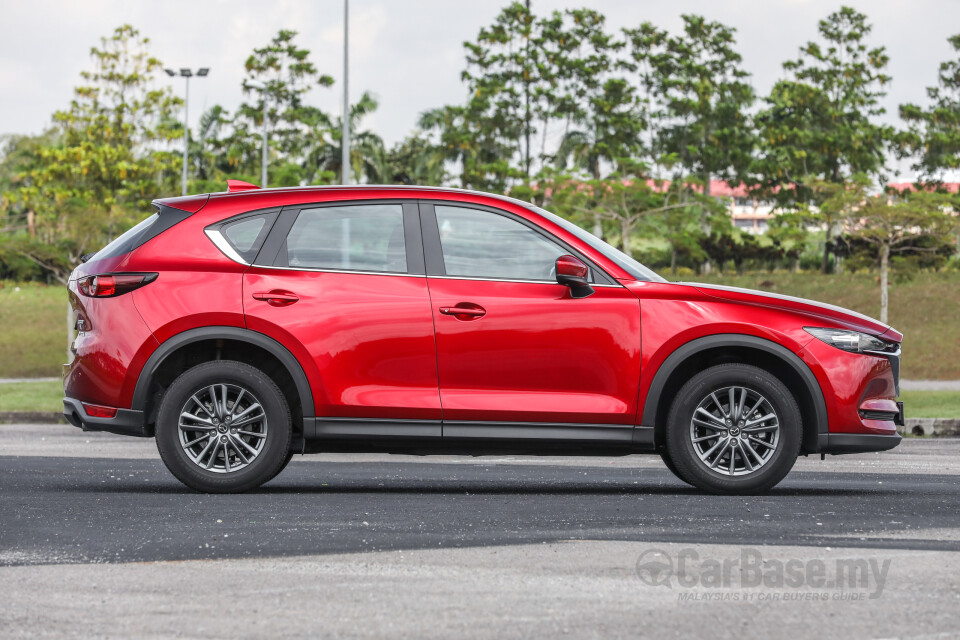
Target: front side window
<point>481,244</point>
<point>351,238</point>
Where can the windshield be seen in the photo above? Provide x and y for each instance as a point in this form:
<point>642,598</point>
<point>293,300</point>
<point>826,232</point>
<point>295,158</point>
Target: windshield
<point>624,261</point>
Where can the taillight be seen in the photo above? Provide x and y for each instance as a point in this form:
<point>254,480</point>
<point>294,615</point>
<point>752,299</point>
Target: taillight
<point>113,284</point>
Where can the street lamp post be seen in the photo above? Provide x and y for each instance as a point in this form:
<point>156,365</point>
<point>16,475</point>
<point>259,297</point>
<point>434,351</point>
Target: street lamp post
<point>186,74</point>
<point>262,88</point>
<point>345,123</point>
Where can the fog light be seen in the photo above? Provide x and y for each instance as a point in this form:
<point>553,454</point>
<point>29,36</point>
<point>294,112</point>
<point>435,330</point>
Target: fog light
<point>99,411</point>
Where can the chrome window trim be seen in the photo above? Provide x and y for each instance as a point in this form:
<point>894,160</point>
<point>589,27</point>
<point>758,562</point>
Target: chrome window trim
<point>607,286</point>
<point>359,273</point>
<point>221,243</point>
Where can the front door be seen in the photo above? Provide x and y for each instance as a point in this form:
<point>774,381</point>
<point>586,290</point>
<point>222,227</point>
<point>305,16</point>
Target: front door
<point>512,344</point>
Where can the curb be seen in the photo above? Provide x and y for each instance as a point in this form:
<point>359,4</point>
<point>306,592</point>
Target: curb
<point>930,427</point>
<point>30,417</point>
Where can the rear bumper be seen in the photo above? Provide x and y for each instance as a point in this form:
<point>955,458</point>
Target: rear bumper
<point>839,443</point>
<point>127,422</point>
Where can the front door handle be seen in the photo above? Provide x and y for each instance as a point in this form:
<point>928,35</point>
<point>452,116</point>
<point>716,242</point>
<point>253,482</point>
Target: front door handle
<point>276,298</point>
<point>464,311</point>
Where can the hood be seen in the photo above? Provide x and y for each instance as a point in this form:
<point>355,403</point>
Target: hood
<point>856,320</point>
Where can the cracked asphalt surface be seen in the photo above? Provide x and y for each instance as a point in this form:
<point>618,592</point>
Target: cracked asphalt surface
<point>399,546</point>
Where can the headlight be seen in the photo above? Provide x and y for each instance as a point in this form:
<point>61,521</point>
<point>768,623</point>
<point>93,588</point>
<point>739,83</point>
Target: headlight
<point>852,341</point>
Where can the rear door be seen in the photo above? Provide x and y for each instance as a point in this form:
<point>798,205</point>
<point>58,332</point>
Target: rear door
<point>512,344</point>
<point>342,285</point>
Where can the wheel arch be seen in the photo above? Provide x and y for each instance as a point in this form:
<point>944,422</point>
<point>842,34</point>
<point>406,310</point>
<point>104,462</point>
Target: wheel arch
<point>178,353</point>
<point>717,349</point>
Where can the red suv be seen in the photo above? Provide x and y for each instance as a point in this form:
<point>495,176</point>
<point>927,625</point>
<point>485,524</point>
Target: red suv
<point>240,328</point>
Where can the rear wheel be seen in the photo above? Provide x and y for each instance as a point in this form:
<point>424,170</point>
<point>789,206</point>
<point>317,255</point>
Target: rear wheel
<point>733,428</point>
<point>224,427</point>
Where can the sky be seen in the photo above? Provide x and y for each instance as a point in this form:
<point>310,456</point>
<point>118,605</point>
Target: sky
<point>408,53</point>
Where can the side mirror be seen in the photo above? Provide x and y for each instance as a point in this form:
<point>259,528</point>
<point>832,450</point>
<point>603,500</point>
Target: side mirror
<point>572,273</point>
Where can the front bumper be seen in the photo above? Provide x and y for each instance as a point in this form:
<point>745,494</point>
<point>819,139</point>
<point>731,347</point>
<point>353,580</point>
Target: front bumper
<point>840,443</point>
<point>127,422</point>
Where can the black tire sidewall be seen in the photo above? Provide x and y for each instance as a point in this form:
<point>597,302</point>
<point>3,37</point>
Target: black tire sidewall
<point>668,461</point>
<point>680,449</point>
<point>279,432</point>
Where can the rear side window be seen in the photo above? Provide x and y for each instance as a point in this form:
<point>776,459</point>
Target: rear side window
<point>351,238</point>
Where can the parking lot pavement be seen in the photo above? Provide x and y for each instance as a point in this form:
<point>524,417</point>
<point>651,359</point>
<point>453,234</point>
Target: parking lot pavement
<point>97,539</point>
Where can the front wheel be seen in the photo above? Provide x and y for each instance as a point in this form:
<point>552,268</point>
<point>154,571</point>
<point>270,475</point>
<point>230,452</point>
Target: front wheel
<point>224,427</point>
<point>733,428</point>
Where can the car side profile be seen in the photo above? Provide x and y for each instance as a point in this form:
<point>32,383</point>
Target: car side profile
<point>240,328</point>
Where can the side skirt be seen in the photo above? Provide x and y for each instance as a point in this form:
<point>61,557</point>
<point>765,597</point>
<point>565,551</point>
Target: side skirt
<point>476,438</point>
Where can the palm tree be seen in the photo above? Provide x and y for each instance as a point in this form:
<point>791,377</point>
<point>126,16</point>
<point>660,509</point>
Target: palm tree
<point>367,151</point>
<point>416,160</point>
<point>455,138</point>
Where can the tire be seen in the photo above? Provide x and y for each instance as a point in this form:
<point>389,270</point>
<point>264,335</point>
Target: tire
<point>224,427</point>
<point>744,446</point>
<point>672,467</point>
<point>283,465</point>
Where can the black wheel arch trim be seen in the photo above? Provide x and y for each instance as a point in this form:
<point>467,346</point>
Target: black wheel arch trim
<point>674,360</point>
<point>287,359</point>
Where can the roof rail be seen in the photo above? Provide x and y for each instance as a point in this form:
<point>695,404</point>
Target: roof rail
<point>234,186</point>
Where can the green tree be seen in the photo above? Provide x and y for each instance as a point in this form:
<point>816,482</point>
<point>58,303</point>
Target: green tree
<point>894,222</point>
<point>647,57</point>
<point>593,99</point>
<point>108,159</point>
<point>820,125</point>
<point>705,93</point>
<point>415,160</point>
<point>936,130</point>
<point>502,73</point>
<point>461,136</point>
<point>933,134</point>
<point>19,156</point>
<point>367,153</point>
<point>287,74</point>
<point>626,202</point>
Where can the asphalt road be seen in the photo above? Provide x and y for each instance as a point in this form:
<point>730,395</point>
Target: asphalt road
<point>393,546</point>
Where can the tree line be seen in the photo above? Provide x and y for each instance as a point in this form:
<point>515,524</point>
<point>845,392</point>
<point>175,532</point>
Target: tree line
<point>622,130</point>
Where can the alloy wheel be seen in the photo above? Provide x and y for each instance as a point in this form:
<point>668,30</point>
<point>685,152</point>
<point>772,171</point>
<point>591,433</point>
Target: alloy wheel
<point>735,431</point>
<point>222,428</point>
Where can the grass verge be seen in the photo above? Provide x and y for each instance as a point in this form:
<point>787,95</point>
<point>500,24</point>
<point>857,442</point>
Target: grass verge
<point>32,396</point>
<point>931,404</point>
<point>33,329</point>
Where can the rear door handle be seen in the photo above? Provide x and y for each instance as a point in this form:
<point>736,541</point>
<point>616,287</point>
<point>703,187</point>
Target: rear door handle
<point>276,298</point>
<point>464,311</point>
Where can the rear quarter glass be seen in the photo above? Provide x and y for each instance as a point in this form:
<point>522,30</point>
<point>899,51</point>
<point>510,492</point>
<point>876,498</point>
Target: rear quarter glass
<point>150,227</point>
<point>245,233</point>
